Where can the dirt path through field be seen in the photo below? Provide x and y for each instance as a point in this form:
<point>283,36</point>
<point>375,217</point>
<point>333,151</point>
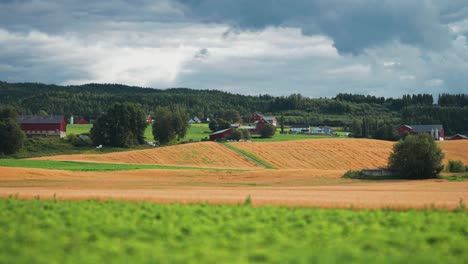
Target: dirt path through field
<point>313,188</point>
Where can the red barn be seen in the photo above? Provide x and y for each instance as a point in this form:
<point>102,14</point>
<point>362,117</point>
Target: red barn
<point>457,137</point>
<point>43,126</point>
<point>436,131</point>
<point>82,122</point>
<point>218,135</point>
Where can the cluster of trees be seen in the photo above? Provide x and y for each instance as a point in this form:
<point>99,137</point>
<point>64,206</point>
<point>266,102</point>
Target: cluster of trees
<point>123,125</point>
<point>91,100</point>
<point>374,128</point>
<point>170,124</point>
<point>460,100</point>
<point>11,135</point>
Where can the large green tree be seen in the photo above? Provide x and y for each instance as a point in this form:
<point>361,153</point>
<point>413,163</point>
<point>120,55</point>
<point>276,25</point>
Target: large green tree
<point>267,131</point>
<point>170,124</point>
<point>417,157</point>
<point>11,135</point>
<point>123,125</point>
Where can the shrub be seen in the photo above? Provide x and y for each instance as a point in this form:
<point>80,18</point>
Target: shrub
<point>353,174</point>
<point>417,157</point>
<point>267,131</point>
<point>11,135</point>
<point>235,135</point>
<point>77,141</point>
<point>245,133</point>
<point>456,166</point>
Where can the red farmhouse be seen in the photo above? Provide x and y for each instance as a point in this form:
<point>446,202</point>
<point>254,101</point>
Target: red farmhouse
<point>457,137</point>
<point>436,131</point>
<point>82,122</point>
<point>43,126</point>
<point>221,134</point>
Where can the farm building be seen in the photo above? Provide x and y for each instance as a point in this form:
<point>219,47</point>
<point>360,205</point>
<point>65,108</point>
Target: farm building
<point>259,117</point>
<point>316,130</point>
<point>82,122</point>
<point>195,120</point>
<point>437,131</point>
<point>327,130</point>
<point>299,128</point>
<point>272,120</point>
<point>218,135</point>
<point>457,137</point>
<point>149,119</point>
<point>43,126</point>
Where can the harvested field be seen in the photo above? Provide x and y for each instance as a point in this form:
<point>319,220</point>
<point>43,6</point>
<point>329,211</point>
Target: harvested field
<point>338,154</point>
<point>455,150</point>
<point>325,154</point>
<point>204,154</point>
<point>266,187</point>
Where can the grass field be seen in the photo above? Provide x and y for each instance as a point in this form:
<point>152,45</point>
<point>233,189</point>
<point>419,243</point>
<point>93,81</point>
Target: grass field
<point>198,132</point>
<point>88,166</point>
<point>51,231</point>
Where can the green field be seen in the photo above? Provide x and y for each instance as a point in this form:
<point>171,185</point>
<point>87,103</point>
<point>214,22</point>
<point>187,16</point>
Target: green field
<point>91,166</point>
<point>198,132</point>
<point>38,231</point>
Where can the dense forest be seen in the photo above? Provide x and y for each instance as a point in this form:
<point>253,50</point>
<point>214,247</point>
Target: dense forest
<point>91,100</point>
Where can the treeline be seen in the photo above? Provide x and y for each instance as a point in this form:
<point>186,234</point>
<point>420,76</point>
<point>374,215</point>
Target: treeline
<point>91,100</point>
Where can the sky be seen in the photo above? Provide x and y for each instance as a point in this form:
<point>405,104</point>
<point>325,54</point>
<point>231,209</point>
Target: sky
<point>314,47</point>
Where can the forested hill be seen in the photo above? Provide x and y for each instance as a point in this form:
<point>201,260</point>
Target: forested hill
<point>90,100</point>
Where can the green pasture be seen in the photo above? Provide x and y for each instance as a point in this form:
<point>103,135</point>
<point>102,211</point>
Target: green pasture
<point>36,231</point>
<point>90,166</point>
<point>198,132</point>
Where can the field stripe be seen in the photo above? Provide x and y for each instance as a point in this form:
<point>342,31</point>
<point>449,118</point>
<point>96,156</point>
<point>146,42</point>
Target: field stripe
<point>92,166</point>
<point>249,156</point>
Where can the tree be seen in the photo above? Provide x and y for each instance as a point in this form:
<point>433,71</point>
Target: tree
<point>213,125</point>
<point>170,124</point>
<point>417,157</point>
<point>386,132</point>
<point>267,131</point>
<point>282,123</point>
<point>122,126</point>
<point>223,124</point>
<point>11,135</point>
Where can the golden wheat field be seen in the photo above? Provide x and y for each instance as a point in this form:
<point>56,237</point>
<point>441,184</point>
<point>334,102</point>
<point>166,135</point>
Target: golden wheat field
<point>266,187</point>
<point>455,150</point>
<point>338,154</point>
<point>323,154</point>
<point>309,174</point>
<point>326,154</point>
<point>203,154</point>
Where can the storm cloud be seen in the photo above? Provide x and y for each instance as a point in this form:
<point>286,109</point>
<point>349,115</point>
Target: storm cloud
<point>317,48</point>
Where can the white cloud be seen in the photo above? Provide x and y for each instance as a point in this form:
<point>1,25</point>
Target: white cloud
<point>434,82</point>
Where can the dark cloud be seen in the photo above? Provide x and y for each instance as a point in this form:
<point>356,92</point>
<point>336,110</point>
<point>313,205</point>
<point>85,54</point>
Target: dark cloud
<point>353,25</point>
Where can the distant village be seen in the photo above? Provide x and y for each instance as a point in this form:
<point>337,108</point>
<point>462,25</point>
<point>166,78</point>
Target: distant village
<point>56,126</point>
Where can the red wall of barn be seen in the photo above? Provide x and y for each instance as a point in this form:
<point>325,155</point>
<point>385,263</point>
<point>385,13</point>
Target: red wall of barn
<point>403,129</point>
<point>45,127</point>
<point>220,135</point>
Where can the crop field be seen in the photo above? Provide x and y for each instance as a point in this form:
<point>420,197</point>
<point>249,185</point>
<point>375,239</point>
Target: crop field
<point>308,188</point>
<point>37,231</point>
<point>87,166</point>
<point>322,154</point>
<point>455,150</point>
<point>294,173</point>
<point>204,154</point>
<point>344,154</point>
